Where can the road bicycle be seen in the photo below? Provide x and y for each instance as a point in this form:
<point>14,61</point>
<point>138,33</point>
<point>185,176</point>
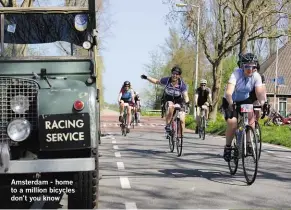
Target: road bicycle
<point>240,149</point>
<point>175,136</point>
<point>123,125</point>
<point>202,127</point>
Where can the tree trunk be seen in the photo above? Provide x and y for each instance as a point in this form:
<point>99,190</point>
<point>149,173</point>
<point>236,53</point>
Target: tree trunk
<point>216,69</point>
<point>244,35</point>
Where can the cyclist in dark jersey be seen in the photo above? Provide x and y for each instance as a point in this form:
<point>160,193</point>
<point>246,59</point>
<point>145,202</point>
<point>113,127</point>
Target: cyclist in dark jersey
<point>175,92</point>
<point>203,99</point>
<point>137,107</point>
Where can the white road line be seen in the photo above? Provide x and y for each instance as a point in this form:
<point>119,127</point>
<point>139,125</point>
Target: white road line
<point>117,154</point>
<point>115,146</point>
<point>124,182</point>
<point>289,157</point>
<point>269,151</point>
<point>114,142</point>
<point>120,165</point>
<point>152,125</point>
<point>130,205</point>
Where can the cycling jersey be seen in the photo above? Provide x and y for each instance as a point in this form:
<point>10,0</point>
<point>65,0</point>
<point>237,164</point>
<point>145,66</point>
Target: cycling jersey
<point>136,99</point>
<point>126,96</point>
<point>202,95</point>
<point>243,85</point>
<point>172,93</point>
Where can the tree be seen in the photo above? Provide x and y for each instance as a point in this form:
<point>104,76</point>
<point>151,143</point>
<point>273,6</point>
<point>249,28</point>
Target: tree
<point>228,24</point>
<point>259,19</point>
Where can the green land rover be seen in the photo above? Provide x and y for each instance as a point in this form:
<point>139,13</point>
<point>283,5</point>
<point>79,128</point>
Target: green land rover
<point>49,108</point>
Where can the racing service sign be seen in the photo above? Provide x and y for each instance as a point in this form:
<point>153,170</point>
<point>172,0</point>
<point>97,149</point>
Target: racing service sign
<point>64,131</point>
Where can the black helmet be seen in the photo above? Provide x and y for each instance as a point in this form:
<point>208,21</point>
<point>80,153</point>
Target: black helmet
<point>126,83</point>
<point>247,58</point>
<point>177,69</point>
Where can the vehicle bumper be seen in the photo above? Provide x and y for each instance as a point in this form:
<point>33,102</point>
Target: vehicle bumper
<point>49,165</point>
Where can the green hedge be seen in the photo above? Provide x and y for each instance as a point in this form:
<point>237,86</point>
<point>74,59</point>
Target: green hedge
<point>279,135</point>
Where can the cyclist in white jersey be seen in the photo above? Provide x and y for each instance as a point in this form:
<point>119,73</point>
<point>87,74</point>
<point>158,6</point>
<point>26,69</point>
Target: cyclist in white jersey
<point>241,83</point>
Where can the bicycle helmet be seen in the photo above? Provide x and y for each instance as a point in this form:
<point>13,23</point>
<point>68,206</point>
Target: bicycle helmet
<point>177,69</point>
<point>247,58</point>
<point>203,81</point>
<point>126,83</point>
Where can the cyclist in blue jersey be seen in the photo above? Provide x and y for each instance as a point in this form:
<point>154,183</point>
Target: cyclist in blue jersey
<point>175,92</point>
<point>126,99</point>
<point>241,83</point>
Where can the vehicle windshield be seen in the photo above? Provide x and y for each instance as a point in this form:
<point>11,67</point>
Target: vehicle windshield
<point>45,34</point>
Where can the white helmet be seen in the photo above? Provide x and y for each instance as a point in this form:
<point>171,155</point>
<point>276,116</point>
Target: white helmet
<point>203,81</point>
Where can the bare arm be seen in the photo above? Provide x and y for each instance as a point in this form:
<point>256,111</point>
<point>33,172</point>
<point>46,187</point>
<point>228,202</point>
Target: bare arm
<point>196,99</point>
<point>186,97</point>
<point>261,94</point>
<point>119,97</point>
<point>228,93</point>
<point>153,80</point>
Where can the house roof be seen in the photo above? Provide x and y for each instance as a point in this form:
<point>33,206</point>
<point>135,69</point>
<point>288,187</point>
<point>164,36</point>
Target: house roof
<point>268,69</point>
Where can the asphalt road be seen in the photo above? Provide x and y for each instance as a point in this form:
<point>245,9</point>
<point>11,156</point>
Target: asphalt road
<point>139,172</point>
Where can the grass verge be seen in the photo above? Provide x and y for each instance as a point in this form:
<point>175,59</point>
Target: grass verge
<point>278,135</point>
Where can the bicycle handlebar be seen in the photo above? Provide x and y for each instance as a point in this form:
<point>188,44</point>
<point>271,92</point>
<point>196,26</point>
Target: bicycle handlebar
<point>255,107</point>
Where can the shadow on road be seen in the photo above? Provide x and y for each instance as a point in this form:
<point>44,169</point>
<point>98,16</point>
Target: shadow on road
<point>212,175</point>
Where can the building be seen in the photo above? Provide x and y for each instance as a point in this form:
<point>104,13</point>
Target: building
<point>283,90</point>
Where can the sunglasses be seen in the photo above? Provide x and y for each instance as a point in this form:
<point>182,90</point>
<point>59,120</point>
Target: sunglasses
<point>126,86</point>
<point>249,67</point>
<point>175,73</point>
<point>203,85</point>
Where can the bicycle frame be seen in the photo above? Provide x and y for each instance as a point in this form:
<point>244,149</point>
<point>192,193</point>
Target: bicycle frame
<point>242,122</point>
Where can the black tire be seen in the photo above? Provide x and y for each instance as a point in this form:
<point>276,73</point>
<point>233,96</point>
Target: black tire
<point>179,141</point>
<point>124,133</point>
<point>86,185</point>
<point>234,158</point>
<point>203,128</point>
<point>171,142</point>
<point>259,139</point>
<point>255,155</point>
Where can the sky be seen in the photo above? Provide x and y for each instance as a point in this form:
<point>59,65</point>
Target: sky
<point>138,27</point>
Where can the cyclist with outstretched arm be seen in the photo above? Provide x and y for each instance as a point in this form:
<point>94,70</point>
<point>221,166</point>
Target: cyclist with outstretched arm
<point>175,92</point>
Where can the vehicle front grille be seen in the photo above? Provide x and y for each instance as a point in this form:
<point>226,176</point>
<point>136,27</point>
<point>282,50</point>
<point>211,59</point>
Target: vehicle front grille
<point>9,88</point>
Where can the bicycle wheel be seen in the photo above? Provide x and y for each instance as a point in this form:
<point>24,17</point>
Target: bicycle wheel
<point>259,138</point>
<point>233,163</point>
<point>203,128</point>
<point>171,142</point>
<point>124,132</point>
<point>251,153</point>
<point>179,137</point>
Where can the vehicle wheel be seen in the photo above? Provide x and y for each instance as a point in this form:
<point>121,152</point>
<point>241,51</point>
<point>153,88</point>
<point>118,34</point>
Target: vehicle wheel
<point>86,186</point>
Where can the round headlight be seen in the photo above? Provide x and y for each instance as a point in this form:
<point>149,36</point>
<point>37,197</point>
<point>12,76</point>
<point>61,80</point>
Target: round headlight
<point>18,130</point>
<point>19,104</point>
<point>87,45</point>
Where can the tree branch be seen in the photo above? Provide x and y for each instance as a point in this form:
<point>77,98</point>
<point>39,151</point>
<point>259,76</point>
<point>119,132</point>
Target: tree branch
<point>237,9</point>
<point>260,36</point>
<point>206,51</point>
<point>248,5</point>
